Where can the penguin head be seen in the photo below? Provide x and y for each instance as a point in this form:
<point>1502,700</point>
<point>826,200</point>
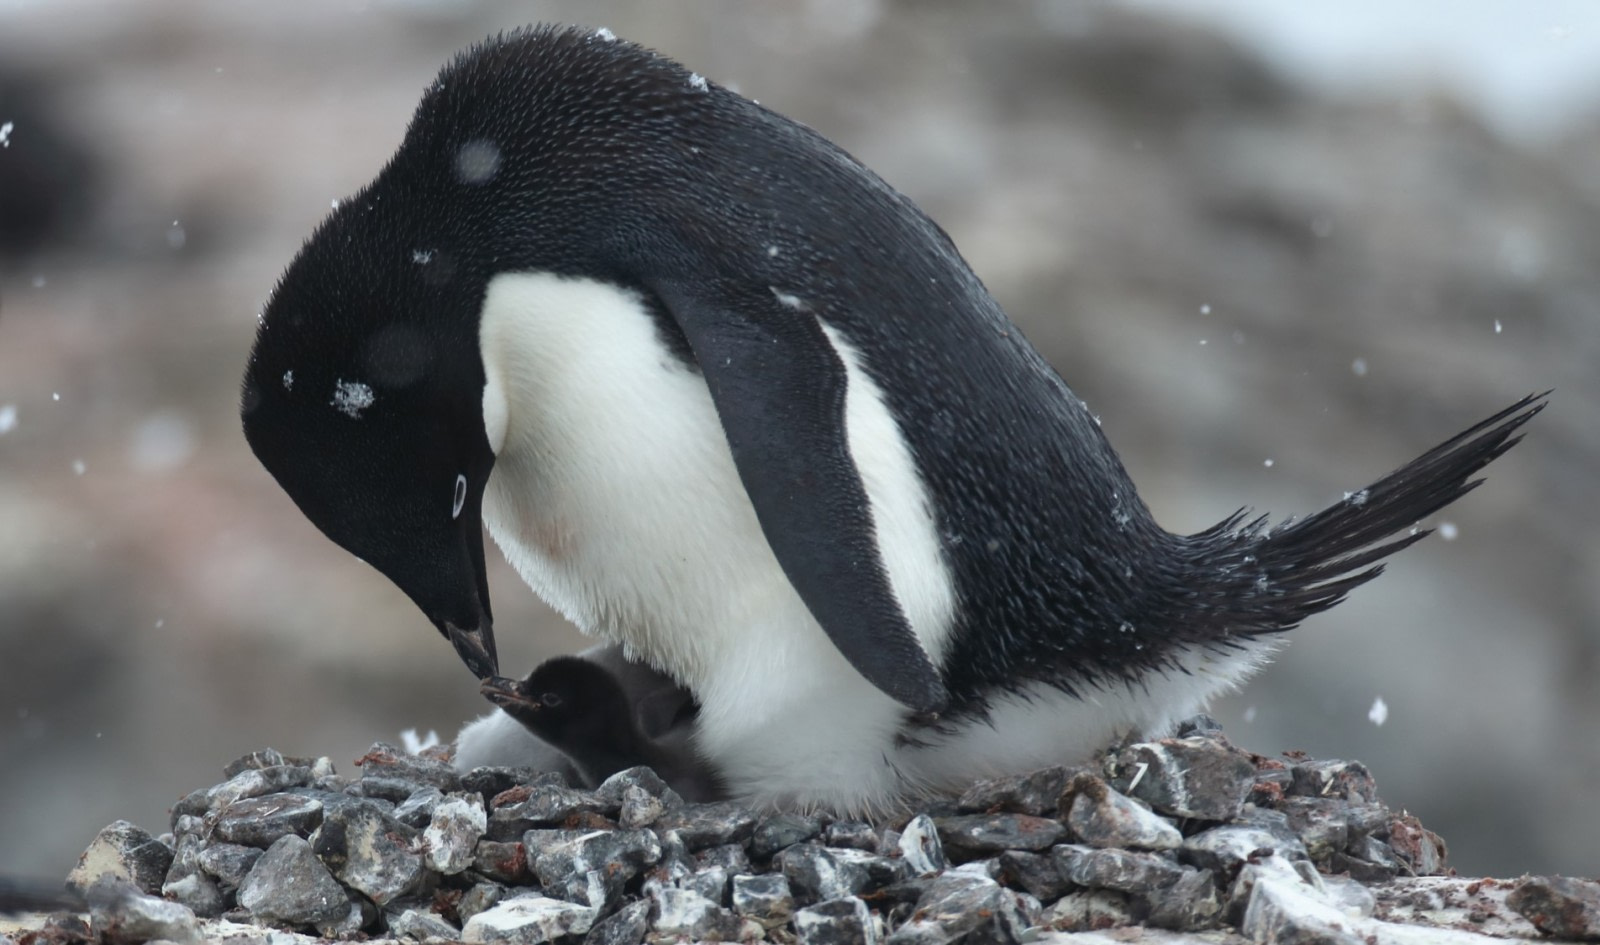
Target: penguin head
<point>363,398</point>
<point>567,701</point>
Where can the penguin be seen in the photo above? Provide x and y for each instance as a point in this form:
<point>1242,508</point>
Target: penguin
<point>582,708</point>
<point>725,398</point>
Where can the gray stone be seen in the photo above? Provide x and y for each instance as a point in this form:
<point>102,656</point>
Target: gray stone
<point>1037,793</point>
<point>452,835</point>
<point>710,882</point>
<point>1111,868</point>
<point>1346,780</point>
<point>260,821</point>
<point>416,925</point>
<point>639,808</point>
<point>968,906</point>
<point>197,891</point>
<point>730,857</point>
<point>522,809</point>
<point>1199,776</point>
<point>504,862</point>
<point>385,763</point>
<point>844,921</point>
<point>228,862</point>
<point>679,912</point>
<point>765,898</point>
<point>612,789</point>
<point>369,851</point>
<point>126,852</point>
<point>1034,873</point>
<point>491,782</point>
<point>974,836</point>
<point>709,825</point>
<point>121,915</point>
<point>590,867</point>
<point>1558,906</point>
<point>1189,904</point>
<point>775,832</point>
<point>358,914</point>
<point>480,897</point>
<point>273,758</point>
<point>1229,847</point>
<point>817,873</point>
<point>626,926</point>
<point>919,846</point>
<point>256,782</point>
<point>528,920</point>
<point>1102,817</point>
<point>1088,910</point>
<point>1279,908</point>
<point>417,810</point>
<point>1419,849</point>
<point>289,884</point>
<point>852,834</point>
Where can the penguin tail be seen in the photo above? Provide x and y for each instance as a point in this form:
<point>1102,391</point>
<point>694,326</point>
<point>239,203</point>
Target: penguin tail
<point>1269,579</point>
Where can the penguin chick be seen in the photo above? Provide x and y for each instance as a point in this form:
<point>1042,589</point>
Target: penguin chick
<point>582,709</point>
<point>725,398</point>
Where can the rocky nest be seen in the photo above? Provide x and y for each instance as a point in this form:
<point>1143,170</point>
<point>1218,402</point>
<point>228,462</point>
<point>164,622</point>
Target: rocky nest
<point>1186,838</point>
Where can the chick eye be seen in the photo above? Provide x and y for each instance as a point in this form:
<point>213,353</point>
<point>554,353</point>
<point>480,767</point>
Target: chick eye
<point>460,498</point>
<point>550,700</point>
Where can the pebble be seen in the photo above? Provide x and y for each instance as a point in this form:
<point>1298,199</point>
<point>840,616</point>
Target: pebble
<point>121,915</point>
<point>1227,848</point>
<point>920,847</point>
<point>766,899</point>
<point>1102,817</point>
<point>1558,906</point>
<point>369,851</point>
<point>260,821</point>
<point>289,884</point>
<point>590,867</point>
<point>964,905</point>
<point>681,912</point>
<point>1037,794</point>
<point>709,825</point>
<point>519,809</point>
<point>1111,868</point>
<point>1199,776</point>
<point>1034,873</point>
<point>974,836</point>
<point>845,921</point>
<point>1346,780</point>
<point>853,834</point>
<point>417,810</point>
<point>457,823</point>
<point>626,926</point>
<point>122,851</point>
<point>228,862</point>
<point>775,832</point>
<point>817,873</point>
<point>415,925</point>
<point>528,920</point>
<point>639,808</point>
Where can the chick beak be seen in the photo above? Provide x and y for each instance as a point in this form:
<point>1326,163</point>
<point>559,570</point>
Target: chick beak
<point>507,694</point>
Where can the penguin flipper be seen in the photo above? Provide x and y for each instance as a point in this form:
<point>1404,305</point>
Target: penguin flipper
<point>779,389</point>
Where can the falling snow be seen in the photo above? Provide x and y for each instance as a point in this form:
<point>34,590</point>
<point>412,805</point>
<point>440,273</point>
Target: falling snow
<point>1268,462</point>
<point>788,299</point>
<point>422,256</point>
<point>1357,498</point>
<point>1497,326</point>
<point>1250,714</point>
<point>1205,309</point>
<point>1358,367</point>
<point>478,161</point>
<point>351,397</point>
<point>1447,531</point>
<point>176,235</point>
<point>1379,713</point>
<point>79,467</point>
<point>5,134</point>
<point>8,418</point>
<point>288,380</point>
<point>697,82</point>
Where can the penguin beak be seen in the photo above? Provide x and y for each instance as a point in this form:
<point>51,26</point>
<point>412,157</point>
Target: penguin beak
<point>507,694</point>
<point>475,647</point>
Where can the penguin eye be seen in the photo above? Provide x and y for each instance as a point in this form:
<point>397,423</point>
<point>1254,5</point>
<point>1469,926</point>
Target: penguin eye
<point>460,498</point>
<point>550,700</point>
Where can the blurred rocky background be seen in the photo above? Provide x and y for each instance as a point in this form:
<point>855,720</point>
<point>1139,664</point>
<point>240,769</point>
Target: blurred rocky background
<point>1275,267</point>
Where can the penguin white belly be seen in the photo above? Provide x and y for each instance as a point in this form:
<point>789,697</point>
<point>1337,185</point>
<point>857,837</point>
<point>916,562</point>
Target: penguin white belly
<point>615,496</point>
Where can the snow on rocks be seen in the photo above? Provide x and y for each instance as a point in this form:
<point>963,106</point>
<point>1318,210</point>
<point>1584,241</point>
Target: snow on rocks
<point>1189,839</point>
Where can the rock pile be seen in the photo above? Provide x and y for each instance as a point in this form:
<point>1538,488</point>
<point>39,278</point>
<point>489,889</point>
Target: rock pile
<point>1189,835</point>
